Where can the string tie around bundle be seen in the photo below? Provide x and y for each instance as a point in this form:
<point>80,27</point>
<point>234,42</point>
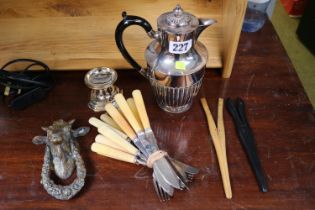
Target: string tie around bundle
<point>155,156</point>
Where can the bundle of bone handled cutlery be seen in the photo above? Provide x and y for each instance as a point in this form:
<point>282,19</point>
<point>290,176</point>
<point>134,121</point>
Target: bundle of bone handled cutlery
<point>125,134</point>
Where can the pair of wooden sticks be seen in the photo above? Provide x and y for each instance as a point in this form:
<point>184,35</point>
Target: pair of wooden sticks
<point>218,138</point>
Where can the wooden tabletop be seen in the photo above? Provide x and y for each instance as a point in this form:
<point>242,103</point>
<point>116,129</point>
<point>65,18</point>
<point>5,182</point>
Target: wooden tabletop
<point>278,110</point>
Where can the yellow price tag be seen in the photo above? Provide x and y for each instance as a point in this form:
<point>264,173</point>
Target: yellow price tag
<point>180,65</point>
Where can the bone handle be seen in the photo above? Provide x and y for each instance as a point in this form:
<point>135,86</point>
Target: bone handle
<point>133,108</point>
<point>219,150</point>
<point>107,132</point>
<point>112,153</point>
<point>99,124</point>
<point>107,119</point>
<point>124,108</point>
<point>108,142</point>
<point>141,109</point>
<point>120,120</point>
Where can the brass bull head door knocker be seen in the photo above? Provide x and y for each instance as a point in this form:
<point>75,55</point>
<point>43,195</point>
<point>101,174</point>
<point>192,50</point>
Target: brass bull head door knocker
<point>62,156</point>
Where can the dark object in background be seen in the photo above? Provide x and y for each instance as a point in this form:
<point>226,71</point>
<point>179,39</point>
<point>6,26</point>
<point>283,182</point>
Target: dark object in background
<point>237,110</point>
<point>306,28</point>
<point>294,8</point>
<point>24,88</point>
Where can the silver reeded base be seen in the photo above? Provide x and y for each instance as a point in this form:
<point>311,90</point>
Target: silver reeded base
<point>176,110</point>
<point>175,99</point>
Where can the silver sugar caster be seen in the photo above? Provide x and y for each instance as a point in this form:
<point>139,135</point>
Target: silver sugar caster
<point>176,60</point>
<point>101,82</point>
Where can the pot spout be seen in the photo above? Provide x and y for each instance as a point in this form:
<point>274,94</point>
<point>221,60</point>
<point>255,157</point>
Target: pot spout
<point>203,24</point>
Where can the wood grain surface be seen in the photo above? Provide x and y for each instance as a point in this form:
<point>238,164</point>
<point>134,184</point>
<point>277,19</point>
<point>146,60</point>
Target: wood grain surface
<point>78,34</point>
<point>278,110</point>
<point>233,16</point>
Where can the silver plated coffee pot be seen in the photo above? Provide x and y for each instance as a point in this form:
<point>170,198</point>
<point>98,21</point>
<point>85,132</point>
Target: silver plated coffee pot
<point>175,59</point>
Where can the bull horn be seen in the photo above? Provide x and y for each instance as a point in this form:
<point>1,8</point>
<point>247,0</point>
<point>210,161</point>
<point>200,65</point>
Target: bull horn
<point>71,121</point>
<point>45,128</point>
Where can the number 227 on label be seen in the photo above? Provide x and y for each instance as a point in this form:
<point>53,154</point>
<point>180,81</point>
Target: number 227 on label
<point>180,47</point>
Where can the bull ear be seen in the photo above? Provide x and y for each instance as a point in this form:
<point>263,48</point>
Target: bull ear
<point>71,121</point>
<point>80,131</point>
<point>39,140</point>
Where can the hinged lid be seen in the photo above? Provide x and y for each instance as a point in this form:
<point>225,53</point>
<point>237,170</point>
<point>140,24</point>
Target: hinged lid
<point>178,21</point>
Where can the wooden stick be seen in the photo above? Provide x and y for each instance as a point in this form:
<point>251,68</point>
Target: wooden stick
<point>221,134</point>
<point>221,130</point>
<point>218,147</point>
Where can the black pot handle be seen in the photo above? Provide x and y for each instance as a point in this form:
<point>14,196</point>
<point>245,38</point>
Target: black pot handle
<point>129,20</point>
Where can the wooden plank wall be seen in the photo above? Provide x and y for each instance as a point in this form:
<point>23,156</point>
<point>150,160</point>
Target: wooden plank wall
<point>79,34</point>
<point>233,16</point>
